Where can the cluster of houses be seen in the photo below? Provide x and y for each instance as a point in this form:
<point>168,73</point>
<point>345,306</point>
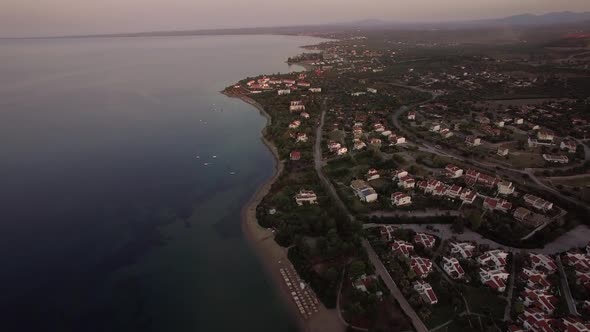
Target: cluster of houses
<point>492,264</point>
<point>438,128</point>
<point>298,107</point>
<point>579,261</point>
<point>283,86</point>
<point>465,195</point>
<point>538,294</point>
<point>421,266</point>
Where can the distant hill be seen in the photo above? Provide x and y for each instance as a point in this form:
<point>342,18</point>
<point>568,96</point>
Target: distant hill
<point>523,20</point>
<point>545,19</point>
<point>554,18</point>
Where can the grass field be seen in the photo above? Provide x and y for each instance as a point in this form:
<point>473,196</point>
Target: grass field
<point>484,301</point>
<point>572,181</point>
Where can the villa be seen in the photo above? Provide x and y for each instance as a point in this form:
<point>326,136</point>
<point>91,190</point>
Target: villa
<point>306,196</point>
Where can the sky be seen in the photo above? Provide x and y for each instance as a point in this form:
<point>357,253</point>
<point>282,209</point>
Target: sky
<point>26,18</point>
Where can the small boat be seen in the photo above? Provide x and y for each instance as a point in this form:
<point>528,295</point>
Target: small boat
<point>198,157</point>
<point>206,164</point>
<point>214,157</point>
<point>232,173</point>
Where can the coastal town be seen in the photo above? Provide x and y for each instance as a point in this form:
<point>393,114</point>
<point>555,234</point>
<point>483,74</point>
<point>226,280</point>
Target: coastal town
<point>420,188</point>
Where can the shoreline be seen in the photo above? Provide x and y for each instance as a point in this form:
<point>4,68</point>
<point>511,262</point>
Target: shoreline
<point>272,256</point>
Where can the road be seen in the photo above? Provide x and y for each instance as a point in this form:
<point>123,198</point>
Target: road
<point>567,293</point>
<point>317,159</point>
<point>510,291</point>
<point>397,294</point>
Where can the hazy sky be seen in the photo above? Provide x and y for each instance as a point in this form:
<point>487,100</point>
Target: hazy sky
<point>54,17</point>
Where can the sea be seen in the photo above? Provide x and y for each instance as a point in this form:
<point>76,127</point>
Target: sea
<point>123,172</point>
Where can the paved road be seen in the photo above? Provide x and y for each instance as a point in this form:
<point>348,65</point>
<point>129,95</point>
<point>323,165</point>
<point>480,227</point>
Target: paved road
<point>397,294</point>
<point>508,307</point>
<point>571,303</point>
<point>317,158</point>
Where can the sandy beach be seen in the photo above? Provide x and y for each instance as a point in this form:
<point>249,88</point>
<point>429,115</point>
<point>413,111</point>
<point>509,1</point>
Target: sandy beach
<point>273,256</point>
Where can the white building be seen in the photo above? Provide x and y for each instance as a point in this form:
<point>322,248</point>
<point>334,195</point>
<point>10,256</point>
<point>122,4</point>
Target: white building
<point>401,199</point>
<point>363,191</point>
<point>505,188</point>
<point>306,196</point>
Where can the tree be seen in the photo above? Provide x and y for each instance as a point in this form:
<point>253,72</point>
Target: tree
<point>357,269</point>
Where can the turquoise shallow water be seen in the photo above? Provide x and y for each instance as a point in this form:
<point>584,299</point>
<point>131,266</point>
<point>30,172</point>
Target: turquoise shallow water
<point>110,222</point>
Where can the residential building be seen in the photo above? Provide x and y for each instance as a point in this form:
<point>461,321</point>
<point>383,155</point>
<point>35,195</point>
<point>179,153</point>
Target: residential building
<point>284,92</point>
<point>400,173</point>
<point>453,171</point>
<point>556,159</point>
<point>453,191</point>
<point>364,283</point>
<point>541,262</point>
<point>359,145</point>
<point>545,135</point>
<point>463,249</point>
<point>502,151</point>
<point>411,115</point>
<point>496,204</point>
<point>574,324</point>
<point>297,106</point>
<point>372,174</point>
<point>396,140</point>
<point>493,258</point>
<point>301,137</point>
<point>472,141</point>
<point>425,240</point>
<point>535,280</point>
<point>426,292</point>
<point>400,247</point>
<point>468,196</point>
<point>535,320</point>
<point>539,299</point>
<point>538,203</point>
<point>306,196</point>
<point>505,188</point>
<point>387,232</point>
<point>295,124</point>
<point>295,155</point>
<point>569,145</point>
<point>400,199</point>
<point>452,267</point>
<point>494,278</point>
<point>407,182</point>
<point>421,266</point>
<point>363,191</point>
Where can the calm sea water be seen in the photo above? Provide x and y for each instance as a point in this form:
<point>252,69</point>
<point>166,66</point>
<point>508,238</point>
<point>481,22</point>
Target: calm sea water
<point>109,221</point>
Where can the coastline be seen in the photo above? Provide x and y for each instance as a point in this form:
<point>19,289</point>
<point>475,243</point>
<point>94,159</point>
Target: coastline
<point>272,256</point>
